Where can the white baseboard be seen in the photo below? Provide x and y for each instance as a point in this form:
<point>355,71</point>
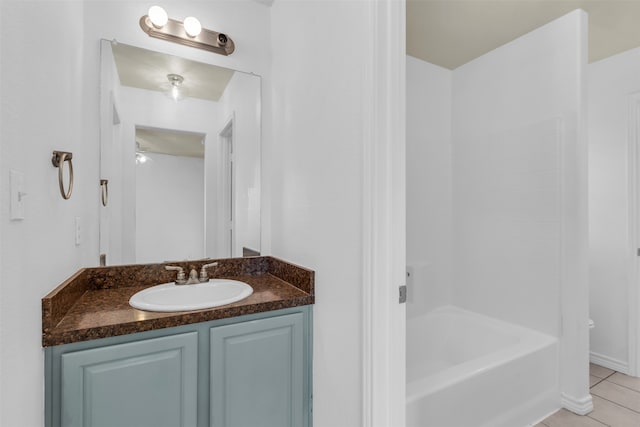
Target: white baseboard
<point>609,362</point>
<point>580,406</point>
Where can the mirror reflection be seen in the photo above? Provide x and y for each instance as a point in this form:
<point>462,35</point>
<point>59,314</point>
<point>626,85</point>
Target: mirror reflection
<point>180,147</point>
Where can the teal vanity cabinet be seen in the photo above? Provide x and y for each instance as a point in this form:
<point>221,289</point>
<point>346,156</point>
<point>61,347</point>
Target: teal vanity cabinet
<point>257,373</point>
<point>252,370</point>
<point>151,382</point>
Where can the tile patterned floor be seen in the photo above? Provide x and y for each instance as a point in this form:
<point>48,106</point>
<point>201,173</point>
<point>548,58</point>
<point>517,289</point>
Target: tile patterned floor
<point>616,403</point>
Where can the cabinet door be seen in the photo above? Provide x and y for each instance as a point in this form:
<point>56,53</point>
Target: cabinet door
<point>257,376</point>
<point>144,383</point>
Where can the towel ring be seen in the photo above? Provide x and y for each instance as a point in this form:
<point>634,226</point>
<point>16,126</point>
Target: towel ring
<point>58,160</point>
<point>104,185</point>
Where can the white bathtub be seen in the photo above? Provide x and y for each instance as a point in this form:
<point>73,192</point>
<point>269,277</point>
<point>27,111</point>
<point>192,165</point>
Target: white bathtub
<point>469,370</point>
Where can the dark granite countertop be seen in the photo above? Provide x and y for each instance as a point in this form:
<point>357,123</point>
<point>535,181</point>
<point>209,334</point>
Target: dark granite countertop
<point>94,302</point>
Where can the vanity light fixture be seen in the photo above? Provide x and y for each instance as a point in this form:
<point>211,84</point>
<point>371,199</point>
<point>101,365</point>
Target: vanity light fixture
<point>189,33</point>
<point>192,26</point>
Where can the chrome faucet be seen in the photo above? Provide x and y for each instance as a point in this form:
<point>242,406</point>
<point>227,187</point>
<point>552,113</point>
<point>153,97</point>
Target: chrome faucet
<point>181,279</point>
<point>194,278</point>
<point>204,277</point>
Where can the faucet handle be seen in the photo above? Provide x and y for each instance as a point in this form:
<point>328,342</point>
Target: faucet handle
<point>181,278</point>
<point>204,277</point>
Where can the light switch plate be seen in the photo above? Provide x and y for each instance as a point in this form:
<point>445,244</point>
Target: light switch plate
<point>16,182</point>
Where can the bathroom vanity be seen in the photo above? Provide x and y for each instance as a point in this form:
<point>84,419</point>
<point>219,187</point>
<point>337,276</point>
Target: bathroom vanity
<point>242,364</point>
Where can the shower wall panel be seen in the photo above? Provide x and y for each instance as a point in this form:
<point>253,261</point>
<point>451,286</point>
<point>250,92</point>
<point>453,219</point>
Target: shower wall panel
<point>520,190</point>
<point>508,224</point>
<point>429,214</point>
<point>515,118</point>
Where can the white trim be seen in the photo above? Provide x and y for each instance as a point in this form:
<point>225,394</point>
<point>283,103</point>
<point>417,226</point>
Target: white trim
<point>226,187</point>
<point>383,103</point>
<point>2,225</point>
<point>609,362</point>
<point>574,289</point>
<point>580,406</point>
<point>633,366</point>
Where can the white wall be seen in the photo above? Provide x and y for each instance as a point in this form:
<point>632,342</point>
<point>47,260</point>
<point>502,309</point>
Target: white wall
<point>169,208</point>
<point>42,110</point>
<point>239,102</point>
<point>316,170</point>
<point>429,205</point>
<point>50,87</point>
<point>519,185</point>
<point>612,81</point>
<point>2,207</point>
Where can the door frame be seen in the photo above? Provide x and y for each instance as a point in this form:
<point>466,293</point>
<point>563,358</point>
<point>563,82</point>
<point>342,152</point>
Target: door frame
<point>384,209</point>
<point>634,236</point>
<point>226,137</point>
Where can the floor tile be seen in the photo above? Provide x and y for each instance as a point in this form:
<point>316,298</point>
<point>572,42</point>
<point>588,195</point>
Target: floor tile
<point>613,415</point>
<point>599,371</point>
<point>594,380</point>
<point>618,394</point>
<point>625,380</point>
<point>564,418</point>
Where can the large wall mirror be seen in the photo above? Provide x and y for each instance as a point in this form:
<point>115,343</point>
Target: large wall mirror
<point>180,149</point>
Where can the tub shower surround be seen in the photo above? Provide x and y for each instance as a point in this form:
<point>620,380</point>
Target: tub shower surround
<point>514,231</point>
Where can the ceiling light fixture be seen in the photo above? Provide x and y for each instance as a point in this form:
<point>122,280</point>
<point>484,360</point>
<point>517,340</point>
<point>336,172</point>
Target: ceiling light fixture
<point>176,92</point>
<point>190,33</point>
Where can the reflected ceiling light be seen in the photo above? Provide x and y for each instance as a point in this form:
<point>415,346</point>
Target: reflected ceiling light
<point>141,158</point>
<point>190,33</point>
<point>192,26</point>
<point>158,16</point>
<point>176,92</point>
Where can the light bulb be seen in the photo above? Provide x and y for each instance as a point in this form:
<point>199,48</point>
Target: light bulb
<point>175,93</point>
<point>158,16</point>
<point>192,26</point>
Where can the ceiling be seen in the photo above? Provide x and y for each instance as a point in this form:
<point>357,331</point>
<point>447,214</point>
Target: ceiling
<point>171,142</point>
<point>146,69</point>
<point>450,33</point>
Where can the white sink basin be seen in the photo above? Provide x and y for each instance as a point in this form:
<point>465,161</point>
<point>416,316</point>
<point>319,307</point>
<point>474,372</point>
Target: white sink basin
<point>172,297</point>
